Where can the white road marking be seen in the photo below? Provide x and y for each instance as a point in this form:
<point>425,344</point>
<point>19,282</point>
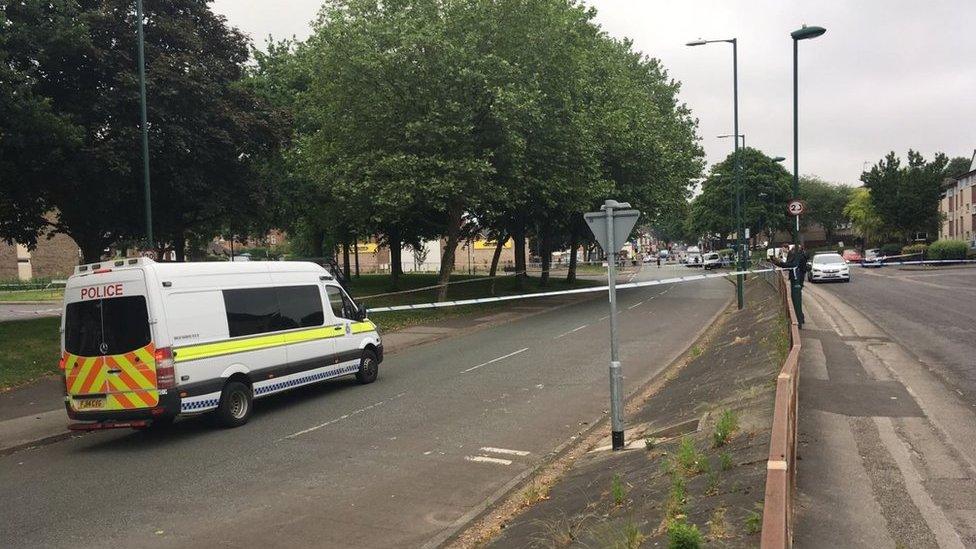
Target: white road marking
<point>486,459</point>
<point>571,331</point>
<point>492,450</point>
<point>635,305</point>
<point>494,360</point>
<point>340,418</point>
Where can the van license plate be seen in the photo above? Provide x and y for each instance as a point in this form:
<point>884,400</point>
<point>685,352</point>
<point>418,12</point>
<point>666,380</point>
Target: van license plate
<point>90,404</point>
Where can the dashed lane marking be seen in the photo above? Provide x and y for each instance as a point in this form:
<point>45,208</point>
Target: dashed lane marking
<point>342,417</point>
<point>494,360</point>
<point>574,330</point>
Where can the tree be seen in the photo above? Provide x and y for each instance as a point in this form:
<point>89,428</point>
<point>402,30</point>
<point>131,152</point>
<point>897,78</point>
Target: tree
<point>825,203</point>
<point>907,197</point>
<point>864,217</point>
<point>765,190</point>
<point>206,135</point>
<point>958,166</point>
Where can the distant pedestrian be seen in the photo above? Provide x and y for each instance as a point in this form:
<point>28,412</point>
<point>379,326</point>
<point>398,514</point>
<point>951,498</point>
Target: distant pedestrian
<point>658,261</point>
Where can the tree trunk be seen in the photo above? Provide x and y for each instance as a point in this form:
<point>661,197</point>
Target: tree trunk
<point>396,254</point>
<point>355,253</point>
<point>318,239</point>
<point>447,258</point>
<point>518,237</point>
<point>345,258</point>
<point>179,246</point>
<point>545,252</point>
<point>499,246</point>
<point>573,246</point>
<point>91,248</point>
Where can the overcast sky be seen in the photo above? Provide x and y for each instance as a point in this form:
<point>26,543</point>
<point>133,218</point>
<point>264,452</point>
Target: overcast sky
<point>888,75</point>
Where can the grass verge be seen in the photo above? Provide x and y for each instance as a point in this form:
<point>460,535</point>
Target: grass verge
<point>29,350</point>
<point>52,294</point>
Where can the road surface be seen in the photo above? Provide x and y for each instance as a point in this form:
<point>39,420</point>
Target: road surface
<point>392,464</point>
<point>24,311</point>
<point>932,313</point>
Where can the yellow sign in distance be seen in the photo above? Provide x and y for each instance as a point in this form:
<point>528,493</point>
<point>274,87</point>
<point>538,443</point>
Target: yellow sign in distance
<point>490,244</point>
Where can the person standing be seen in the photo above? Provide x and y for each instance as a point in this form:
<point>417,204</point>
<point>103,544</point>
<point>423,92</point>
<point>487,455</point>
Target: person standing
<point>796,262</point>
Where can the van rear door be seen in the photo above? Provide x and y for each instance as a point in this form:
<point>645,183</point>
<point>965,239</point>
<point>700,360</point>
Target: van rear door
<point>109,357</point>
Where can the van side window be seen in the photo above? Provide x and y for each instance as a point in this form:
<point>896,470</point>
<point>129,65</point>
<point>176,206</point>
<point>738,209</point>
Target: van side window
<point>342,306</point>
<point>301,307</point>
<point>251,311</point>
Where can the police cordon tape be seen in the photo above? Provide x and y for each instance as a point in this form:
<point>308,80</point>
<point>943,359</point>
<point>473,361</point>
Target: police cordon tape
<point>591,289</point>
<point>627,285</point>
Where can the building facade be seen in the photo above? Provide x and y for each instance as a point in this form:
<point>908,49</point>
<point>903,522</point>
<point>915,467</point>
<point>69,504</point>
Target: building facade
<point>53,258</point>
<point>957,208</point>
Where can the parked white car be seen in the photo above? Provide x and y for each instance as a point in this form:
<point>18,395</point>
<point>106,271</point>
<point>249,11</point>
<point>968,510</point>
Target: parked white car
<point>828,266</point>
<point>711,260</point>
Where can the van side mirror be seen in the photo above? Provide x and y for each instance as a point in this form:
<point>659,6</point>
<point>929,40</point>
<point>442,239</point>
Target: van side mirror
<point>361,313</point>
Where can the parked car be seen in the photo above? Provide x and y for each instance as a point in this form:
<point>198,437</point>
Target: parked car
<point>872,258</point>
<point>851,255</point>
<point>711,260</point>
<point>828,266</point>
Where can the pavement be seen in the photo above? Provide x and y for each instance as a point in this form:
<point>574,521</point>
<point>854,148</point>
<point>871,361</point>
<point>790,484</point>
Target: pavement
<point>403,462</point>
<point>887,420</point>
<point>10,310</point>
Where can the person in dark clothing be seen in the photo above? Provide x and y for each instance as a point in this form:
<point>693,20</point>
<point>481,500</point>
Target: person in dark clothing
<point>796,262</point>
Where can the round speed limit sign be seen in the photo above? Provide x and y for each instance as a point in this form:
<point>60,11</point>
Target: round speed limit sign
<point>796,207</point>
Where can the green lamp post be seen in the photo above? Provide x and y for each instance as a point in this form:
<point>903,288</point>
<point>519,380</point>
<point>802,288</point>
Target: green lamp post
<point>738,192</point>
<point>804,33</point>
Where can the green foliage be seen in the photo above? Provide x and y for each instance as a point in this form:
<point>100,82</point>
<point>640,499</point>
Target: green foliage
<point>918,250</point>
<point>906,197</point>
<point>948,249</point>
<point>74,62</point>
<point>958,166</point>
<point>825,204</point>
<point>683,535</point>
<point>689,459</point>
<point>765,188</point>
<point>891,248</point>
<point>725,461</point>
<point>618,492</point>
<point>866,220</point>
<point>754,519</point>
<point>677,497</point>
<point>725,427</point>
<point>711,487</point>
<point>649,443</point>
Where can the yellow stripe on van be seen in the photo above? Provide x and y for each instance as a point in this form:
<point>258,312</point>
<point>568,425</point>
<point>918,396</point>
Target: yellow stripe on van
<point>209,350</point>
<point>365,326</point>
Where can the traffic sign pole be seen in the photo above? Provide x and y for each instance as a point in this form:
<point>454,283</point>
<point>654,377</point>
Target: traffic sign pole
<point>616,399</point>
<point>609,226</point>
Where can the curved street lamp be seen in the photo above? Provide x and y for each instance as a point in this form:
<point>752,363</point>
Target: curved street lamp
<point>803,33</point>
<point>739,293</point>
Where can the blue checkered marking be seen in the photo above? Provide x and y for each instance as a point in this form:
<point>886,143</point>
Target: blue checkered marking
<point>199,404</point>
<point>312,378</point>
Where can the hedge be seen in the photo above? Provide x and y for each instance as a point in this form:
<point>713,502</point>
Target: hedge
<point>915,249</point>
<point>948,249</point>
<point>892,248</point>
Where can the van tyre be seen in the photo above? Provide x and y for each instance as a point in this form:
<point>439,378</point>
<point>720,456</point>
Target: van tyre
<point>369,367</point>
<point>235,405</point>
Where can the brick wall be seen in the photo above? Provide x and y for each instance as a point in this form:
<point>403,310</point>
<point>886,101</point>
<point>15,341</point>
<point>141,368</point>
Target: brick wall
<point>53,258</point>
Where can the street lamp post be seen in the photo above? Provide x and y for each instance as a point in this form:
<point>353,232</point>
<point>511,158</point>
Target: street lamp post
<point>741,135</point>
<point>804,33</point>
<point>145,130</point>
<point>739,279</point>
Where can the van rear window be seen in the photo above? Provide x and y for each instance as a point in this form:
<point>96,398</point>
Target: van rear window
<point>106,326</point>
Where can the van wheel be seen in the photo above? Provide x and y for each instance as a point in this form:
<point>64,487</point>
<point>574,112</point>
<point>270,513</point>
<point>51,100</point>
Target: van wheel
<point>369,368</point>
<point>235,405</point>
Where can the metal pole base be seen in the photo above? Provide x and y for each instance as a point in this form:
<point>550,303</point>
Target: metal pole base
<point>617,437</point>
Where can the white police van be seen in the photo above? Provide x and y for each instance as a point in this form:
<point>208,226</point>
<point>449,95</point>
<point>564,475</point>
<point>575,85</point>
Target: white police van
<point>144,342</point>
